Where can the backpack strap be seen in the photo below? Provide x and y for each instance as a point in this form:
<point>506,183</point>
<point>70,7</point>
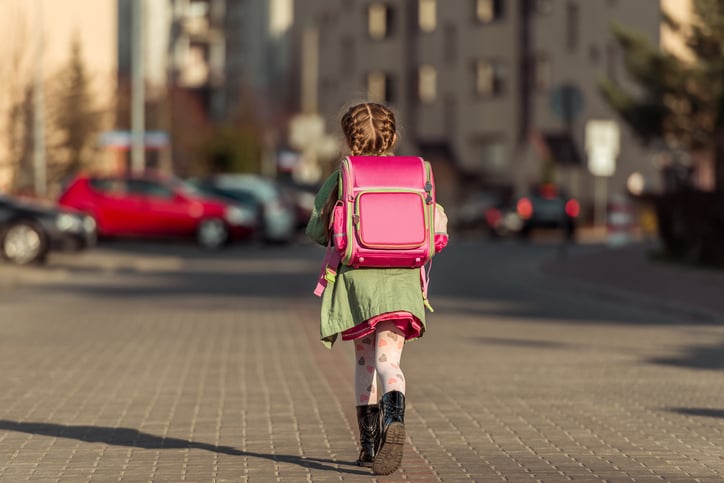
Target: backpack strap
<point>425,282</point>
<point>328,272</point>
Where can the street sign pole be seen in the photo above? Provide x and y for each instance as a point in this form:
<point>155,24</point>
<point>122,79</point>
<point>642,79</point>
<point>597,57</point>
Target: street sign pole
<point>138,95</point>
<point>601,200</point>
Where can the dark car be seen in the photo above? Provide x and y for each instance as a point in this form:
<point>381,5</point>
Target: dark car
<point>503,220</point>
<point>473,213</point>
<point>547,206</point>
<point>155,205</point>
<point>28,230</point>
<point>276,209</point>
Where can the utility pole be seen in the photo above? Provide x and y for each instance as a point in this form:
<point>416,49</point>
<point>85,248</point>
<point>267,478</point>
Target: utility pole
<point>138,94</point>
<point>39,158</point>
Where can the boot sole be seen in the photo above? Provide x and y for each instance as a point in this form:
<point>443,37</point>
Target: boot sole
<point>389,458</point>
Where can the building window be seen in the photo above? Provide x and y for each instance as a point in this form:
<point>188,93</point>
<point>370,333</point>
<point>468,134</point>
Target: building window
<point>380,21</point>
<point>427,84</point>
<point>487,11</point>
<point>198,8</point>
<point>572,26</point>
<point>427,15</point>
<point>542,72</point>
<point>380,87</point>
<point>489,77</point>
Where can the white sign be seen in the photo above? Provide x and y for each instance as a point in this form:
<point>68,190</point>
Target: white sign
<point>602,145</point>
<point>305,130</point>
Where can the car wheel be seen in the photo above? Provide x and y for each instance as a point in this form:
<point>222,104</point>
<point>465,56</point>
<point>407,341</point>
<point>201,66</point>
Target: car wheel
<point>212,233</point>
<point>23,243</point>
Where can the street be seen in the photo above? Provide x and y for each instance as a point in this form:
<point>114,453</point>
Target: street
<point>162,362</point>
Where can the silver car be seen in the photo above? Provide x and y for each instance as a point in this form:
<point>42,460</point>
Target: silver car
<point>277,216</point>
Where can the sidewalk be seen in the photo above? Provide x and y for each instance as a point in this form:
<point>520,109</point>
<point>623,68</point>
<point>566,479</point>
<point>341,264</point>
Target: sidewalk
<point>631,275</point>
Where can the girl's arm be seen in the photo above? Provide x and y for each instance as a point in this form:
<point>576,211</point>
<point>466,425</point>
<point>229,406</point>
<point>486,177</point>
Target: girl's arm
<point>441,236</point>
<point>316,227</point>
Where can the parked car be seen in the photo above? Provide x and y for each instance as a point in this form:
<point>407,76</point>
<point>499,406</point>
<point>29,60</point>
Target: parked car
<point>302,197</point>
<point>503,220</point>
<point>277,216</point>
<point>29,231</point>
<point>547,206</point>
<point>473,211</point>
<point>153,205</point>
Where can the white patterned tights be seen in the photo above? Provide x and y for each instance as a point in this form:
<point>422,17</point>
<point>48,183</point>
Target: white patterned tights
<point>378,355</point>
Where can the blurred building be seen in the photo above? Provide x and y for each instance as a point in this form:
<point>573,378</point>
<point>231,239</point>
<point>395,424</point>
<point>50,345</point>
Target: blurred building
<point>485,88</point>
<point>37,39</point>
<point>218,49</point>
<point>226,58</point>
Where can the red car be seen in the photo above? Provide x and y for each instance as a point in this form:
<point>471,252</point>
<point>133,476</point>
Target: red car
<point>157,206</point>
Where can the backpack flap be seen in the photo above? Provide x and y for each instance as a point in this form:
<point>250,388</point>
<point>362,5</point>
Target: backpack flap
<point>388,219</point>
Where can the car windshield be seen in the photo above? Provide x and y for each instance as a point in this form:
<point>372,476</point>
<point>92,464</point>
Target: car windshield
<point>186,187</point>
<point>262,189</point>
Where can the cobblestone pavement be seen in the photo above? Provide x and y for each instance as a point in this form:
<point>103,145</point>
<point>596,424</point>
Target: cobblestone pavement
<point>172,365</point>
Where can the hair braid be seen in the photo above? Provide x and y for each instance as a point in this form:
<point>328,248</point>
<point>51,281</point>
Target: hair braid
<point>369,129</point>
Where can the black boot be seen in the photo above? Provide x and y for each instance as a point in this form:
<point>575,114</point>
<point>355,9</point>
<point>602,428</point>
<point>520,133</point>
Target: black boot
<point>389,455</point>
<point>368,419</point>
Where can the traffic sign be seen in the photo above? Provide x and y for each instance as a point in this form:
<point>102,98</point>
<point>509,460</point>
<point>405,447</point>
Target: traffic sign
<point>602,146</point>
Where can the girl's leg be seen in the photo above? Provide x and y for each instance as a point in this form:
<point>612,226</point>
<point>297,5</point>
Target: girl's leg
<point>390,342</point>
<point>368,411</point>
<point>365,375</point>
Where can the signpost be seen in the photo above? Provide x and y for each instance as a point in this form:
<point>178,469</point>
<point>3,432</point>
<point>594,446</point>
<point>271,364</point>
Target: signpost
<point>603,139</point>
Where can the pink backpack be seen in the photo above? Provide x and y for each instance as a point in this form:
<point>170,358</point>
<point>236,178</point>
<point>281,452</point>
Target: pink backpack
<point>385,216</point>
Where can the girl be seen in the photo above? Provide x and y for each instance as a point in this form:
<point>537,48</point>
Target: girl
<point>377,308</point>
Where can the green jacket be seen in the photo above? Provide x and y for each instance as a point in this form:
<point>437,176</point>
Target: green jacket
<point>359,294</point>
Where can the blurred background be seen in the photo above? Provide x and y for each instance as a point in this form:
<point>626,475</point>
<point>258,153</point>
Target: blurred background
<point>600,115</point>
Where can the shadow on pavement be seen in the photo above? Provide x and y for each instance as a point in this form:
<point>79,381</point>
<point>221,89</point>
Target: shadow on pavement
<point>137,439</point>
<point>501,341</point>
<point>471,280</point>
<point>707,412</point>
<point>696,357</point>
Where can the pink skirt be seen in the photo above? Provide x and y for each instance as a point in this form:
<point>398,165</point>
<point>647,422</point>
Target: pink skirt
<point>410,326</point>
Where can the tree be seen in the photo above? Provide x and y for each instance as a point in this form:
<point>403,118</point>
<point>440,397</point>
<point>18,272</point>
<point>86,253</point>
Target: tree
<point>76,119</point>
<point>16,103</point>
<point>680,102</point>
<point>20,141</point>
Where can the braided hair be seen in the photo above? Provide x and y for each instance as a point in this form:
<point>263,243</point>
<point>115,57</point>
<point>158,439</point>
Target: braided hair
<point>370,130</point>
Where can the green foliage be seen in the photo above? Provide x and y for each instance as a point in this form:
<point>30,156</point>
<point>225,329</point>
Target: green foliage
<point>20,140</point>
<point>678,101</point>
<point>76,119</point>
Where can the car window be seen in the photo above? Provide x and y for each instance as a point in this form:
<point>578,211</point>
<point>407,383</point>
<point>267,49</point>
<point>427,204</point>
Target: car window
<point>262,189</point>
<point>109,186</point>
<point>187,187</point>
<point>238,195</point>
<point>149,188</point>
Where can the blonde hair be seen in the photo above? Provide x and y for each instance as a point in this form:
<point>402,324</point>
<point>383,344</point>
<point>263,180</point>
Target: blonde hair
<point>369,129</point>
